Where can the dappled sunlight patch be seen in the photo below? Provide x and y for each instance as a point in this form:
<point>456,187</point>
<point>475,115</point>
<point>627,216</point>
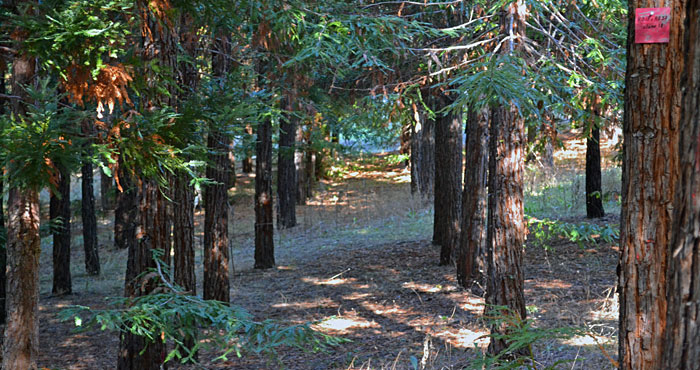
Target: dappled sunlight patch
<point>587,340</point>
<point>354,296</point>
<point>305,305</point>
<point>423,288</point>
<point>465,338</point>
<point>552,284</point>
<point>473,304</point>
<point>342,324</point>
<point>336,281</point>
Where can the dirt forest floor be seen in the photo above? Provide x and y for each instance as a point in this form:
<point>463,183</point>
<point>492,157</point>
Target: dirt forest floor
<point>361,265</point>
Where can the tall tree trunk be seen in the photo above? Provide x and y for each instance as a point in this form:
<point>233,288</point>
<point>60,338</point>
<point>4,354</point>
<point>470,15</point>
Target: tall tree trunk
<point>60,217</point>
<point>89,219</point>
<point>471,256</point>
<point>183,234</point>
<point>649,175</point>
<point>405,148</point>
<point>506,227</point>
<point>594,189</point>
<point>126,211</point>
<point>216,213</point>
<point>21,344</point>
<point>422,154</point>
<point>247,162</point>
<point>264,230</point>
<point>682,340</point>
<point>3,229</point>
<point>106,192</point>
<point>286,171</point>
<point>448,183</point>
<point>303,189</point>
<point>136,352</point>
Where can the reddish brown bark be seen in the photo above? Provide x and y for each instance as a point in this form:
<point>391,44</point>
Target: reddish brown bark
<point>247,162</point>
<point>87,209</point>
<point>287,181</point>
<point>650,171</point>
<point>448,182</point>
<point>471,256</point>
<point>682,339</point>
<point>422,154</point>
<point>21,341</point>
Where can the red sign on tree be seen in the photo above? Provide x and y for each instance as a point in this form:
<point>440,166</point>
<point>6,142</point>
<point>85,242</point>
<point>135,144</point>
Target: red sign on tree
<point>652,25</point>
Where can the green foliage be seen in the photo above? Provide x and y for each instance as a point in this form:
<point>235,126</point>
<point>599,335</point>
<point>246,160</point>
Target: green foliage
<point>544,231</point>
<point>521,336</point>
<point>171,315</point>
<point>32,145</point>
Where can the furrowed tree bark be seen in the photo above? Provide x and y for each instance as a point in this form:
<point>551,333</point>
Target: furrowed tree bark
<point>448,182</point>
<point>21,344</point>
<point>135,352</point>
<point>682,340</point>
<point>264,230</point>
<point>60,217</point>
<point>506,227</point>
<point>216,240</point>
<point>287,181</point>
<point>471,256</point>
<point>303,191</point>
<point>650,172</point>
<point>3,228</point>
<point>89,219</point>
<point>422,154</point>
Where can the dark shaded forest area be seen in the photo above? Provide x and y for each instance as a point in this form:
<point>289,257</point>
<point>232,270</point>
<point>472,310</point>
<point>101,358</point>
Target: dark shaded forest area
<point>491,184</point>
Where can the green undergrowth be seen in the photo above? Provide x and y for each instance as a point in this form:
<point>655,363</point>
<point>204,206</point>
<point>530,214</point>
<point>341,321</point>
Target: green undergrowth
<point>543,232</point>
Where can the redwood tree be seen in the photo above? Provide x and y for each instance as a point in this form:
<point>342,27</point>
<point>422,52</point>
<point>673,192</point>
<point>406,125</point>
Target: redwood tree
<point>682,339</point>
<point>21,344</point>
<point>594,188</point>
<point>89,219</point>
<point>264,230</point>
<point>216,252</point>
<point>650,172</point>
<point>448,180</point>
<point>422,153</point>
<point>60,217</point>
<point>473,232</point>
<point>287,181</point>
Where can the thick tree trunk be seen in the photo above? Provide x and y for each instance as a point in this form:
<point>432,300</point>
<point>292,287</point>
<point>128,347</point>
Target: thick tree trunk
<point>60,217</point>
<point>287,182</point>
<point>471,256</point>
<point>448,183</point>
<point>422,155</point>
<point>3,229</point>
<point>216,240</point>
<point>21,342</point>
<point>23,248</point>
<point>216,213</point>
<point>106,192</point>
<point>183,234</point>
<point>594,189</point>
<point>126,211</point>
<point>89,219</point>
<point>682,340</point>
<point>303,189</point>
<point>264,230</point>
<point>247,162</point>
<point>135,352</point>
<point>506,227</point>
<point>650,172</point>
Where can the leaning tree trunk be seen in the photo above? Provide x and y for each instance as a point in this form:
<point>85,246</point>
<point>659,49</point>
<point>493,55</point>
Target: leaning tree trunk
<point>594,189</point>
<point>92,258</point>
<point>422,154</point>
<point>287,182</point>
<point>448,183</point>
<point>60,217</point>
<point>137,352</point>
<point>682,340</point>
<point>650,172</point>
<point>216,212</point>
<point>21,344</point>
<point>471,253</point>
<point>264,230</point>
